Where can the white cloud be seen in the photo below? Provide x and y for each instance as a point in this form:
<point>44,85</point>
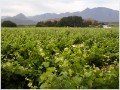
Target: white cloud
<point>33,7</point>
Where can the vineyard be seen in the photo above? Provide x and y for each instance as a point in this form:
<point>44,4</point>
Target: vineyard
<point>59,58</point>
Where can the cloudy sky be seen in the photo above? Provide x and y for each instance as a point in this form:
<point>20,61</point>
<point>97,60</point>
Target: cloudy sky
<point>36,7</point>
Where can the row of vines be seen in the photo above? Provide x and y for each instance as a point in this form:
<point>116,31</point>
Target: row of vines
<point>59,58</point>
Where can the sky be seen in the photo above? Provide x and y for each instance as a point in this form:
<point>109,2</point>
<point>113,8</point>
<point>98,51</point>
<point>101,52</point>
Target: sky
<point>37,7</point>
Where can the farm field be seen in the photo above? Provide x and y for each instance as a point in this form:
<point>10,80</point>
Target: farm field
<point>59,58</point>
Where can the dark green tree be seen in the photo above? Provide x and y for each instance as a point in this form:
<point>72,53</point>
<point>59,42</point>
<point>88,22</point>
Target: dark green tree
<point>40,24</point>
<point>8,24</point>
<point>49,24</point>
<point>72,21</point>
<point>55,23</point>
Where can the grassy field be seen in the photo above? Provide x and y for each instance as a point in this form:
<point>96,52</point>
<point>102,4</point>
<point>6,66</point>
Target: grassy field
<point>60,58</point>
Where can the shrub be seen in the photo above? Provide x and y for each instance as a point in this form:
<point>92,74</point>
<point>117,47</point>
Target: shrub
<point>8,24</point>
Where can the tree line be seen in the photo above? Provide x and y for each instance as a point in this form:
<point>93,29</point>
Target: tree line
<point>70,21</point>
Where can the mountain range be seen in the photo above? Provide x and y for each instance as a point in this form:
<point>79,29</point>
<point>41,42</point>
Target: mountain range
<point>100,14</point>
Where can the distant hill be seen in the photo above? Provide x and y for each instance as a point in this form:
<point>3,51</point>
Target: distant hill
<point>100,14</point>
<point>20,19</point>
<point>2,17</point>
